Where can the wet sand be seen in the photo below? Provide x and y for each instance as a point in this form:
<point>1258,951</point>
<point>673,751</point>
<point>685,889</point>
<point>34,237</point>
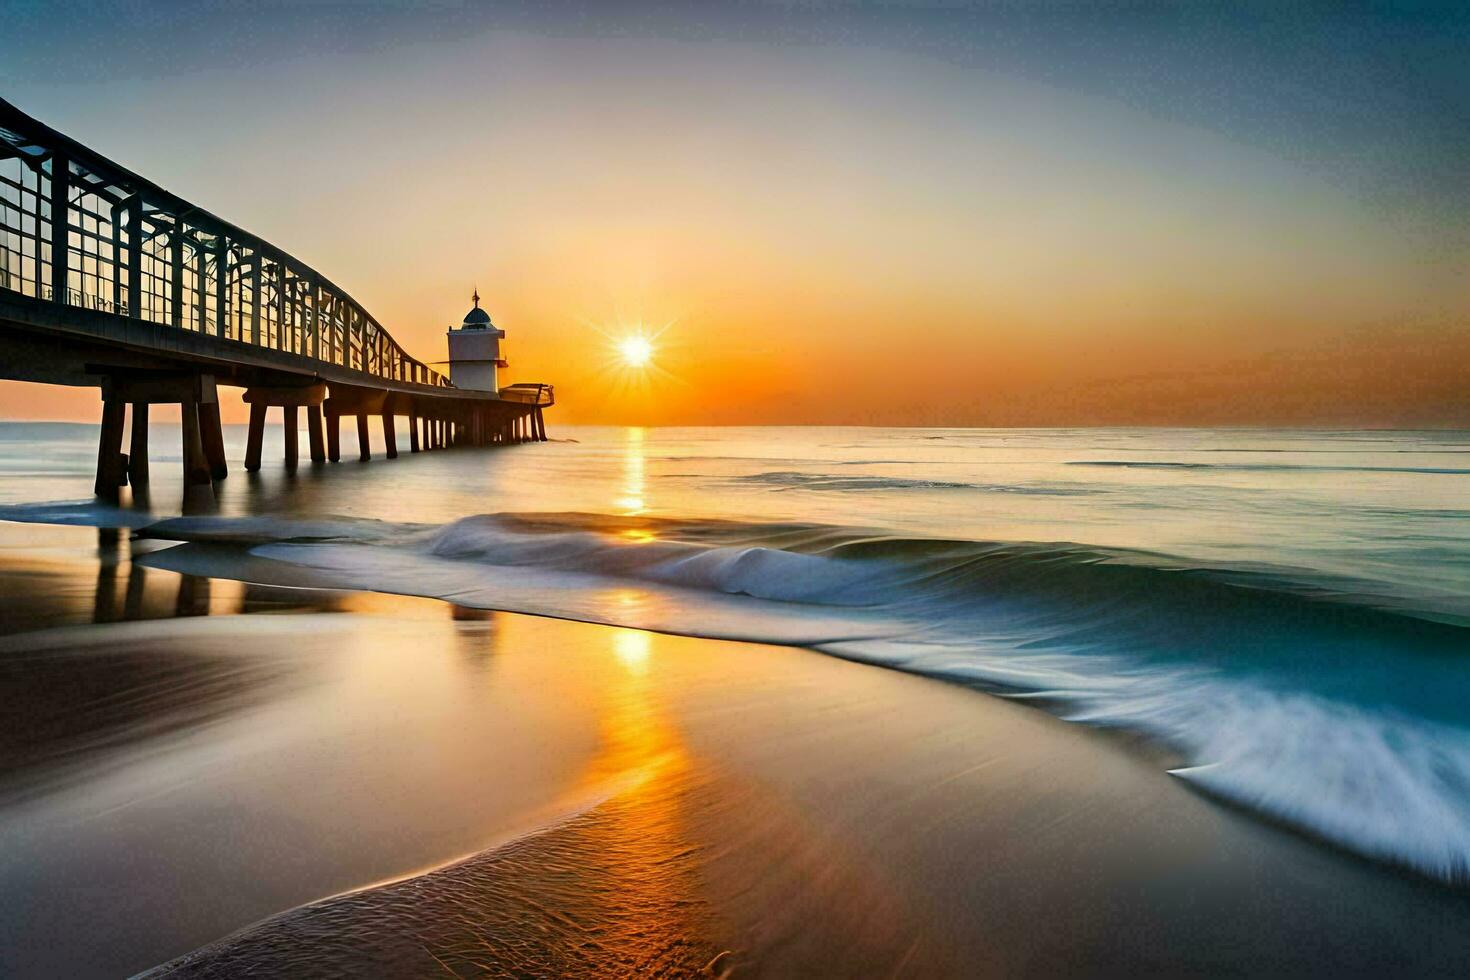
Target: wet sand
<point>544,797</point>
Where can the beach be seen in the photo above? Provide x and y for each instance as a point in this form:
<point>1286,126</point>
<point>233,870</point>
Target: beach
<point>335,783</point>
<point>359,720</point>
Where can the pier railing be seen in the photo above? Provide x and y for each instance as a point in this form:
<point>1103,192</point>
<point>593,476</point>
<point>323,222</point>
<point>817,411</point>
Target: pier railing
<point>527,393</point>
<point>79,230</point>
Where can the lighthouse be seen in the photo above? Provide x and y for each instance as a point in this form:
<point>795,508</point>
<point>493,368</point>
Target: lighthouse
<point>474,351</point>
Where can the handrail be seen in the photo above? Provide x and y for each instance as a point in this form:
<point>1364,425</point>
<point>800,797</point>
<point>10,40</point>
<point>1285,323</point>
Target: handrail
<point>128,246</point>
<point>529,393</point>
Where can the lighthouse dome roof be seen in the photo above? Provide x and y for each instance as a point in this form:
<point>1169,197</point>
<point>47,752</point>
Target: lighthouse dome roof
<point>477,318</point>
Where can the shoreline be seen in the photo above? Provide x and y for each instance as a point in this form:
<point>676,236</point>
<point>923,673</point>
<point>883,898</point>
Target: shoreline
<point>777,811</point>
<point>770,832</point>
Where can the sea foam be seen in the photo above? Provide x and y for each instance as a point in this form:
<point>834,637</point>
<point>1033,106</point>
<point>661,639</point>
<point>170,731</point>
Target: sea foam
<point>1299,700</point>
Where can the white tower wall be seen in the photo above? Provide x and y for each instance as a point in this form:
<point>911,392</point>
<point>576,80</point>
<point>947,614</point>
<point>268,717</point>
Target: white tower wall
<point>474,354</point>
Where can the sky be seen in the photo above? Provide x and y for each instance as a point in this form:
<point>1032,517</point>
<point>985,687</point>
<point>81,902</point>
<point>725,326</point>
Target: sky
<point>1000,213</point>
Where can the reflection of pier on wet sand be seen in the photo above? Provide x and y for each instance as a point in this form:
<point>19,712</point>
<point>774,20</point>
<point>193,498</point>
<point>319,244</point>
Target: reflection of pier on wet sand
<point>128,590</point>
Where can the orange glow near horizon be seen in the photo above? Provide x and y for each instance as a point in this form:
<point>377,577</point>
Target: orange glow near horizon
<point>1000,254</point>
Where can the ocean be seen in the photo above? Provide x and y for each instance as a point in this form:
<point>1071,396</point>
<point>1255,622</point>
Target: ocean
<point>1284,614</point>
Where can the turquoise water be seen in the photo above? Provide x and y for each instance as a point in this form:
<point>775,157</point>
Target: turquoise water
<point>1288,611</point>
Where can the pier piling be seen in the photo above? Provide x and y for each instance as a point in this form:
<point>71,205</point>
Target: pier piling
<point>390,436</point>
<point>211,432</point>
<point>290,428</point>
<point>254,437</point>
<point>138,446</point>
<point>364,447</point>
<point>314,433</point>
<point>196,467</point>
<point>111,468</point>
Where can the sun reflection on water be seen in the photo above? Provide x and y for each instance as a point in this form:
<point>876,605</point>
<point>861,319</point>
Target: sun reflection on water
<point>631,648</point>
<point>632,500</point>
<point>639,835</point>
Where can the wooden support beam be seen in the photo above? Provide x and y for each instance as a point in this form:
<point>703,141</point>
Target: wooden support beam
<point>390,435</point>
<point>196,467</point>
<point>212,433</point>
<point>138,446</point>
<point>290,428</point>
<point>111,469</point>
<point>198,489</point>
<point>413,431</point>
<point>314,433</point>
<point>364,447</point>
<point>351,400</point>
<point>154,387</point>
<point>299,395</point>
<point>255,437</point>
<point>334,436</point>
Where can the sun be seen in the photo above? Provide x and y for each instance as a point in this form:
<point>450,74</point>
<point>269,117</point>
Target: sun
<point>635,351</point>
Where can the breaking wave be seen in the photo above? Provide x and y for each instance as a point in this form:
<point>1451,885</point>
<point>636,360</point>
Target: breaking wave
<point>1305,699</point>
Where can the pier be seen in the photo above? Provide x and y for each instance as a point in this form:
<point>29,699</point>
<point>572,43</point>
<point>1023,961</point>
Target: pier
<point>109,281</point>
